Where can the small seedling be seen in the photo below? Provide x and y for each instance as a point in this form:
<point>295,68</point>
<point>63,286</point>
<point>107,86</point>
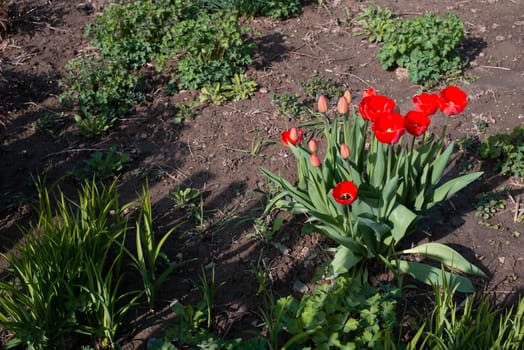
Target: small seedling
<point>214,94</point>
<point>491,203</point>
<point>185,111</point>
<point>103,167</point>
<point>241,88</point>
<point>318,84</point>
<point>190,200</point>
<point>288,105</point>
<point>47,124</point>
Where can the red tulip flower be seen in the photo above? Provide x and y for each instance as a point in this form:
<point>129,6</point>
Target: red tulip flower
<point>292,136</point>
<point>452,100</point>
<point>427,103</point>
<point>345,192</point>
<point>372,105</point>
<point>388,127</point>
<point>369,92</point>
<point>416,123</point>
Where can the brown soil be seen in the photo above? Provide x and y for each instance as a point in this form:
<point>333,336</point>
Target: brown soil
<point>212,152</point>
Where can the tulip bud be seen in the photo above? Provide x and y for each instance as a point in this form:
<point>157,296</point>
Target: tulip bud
<point>322,104</point>
<point>293,134</point>
<point>342,105</point>
<point>369,92</point>
<point>314,159</point>
<point>313,145</point>
<point>344,151</point>
<point>347,95</point>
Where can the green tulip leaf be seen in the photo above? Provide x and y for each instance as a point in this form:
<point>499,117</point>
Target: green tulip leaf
<point>431,275</point>
<point>447,256</point>
<point>448,189</point>
<point>401,218</point>
<point>344,260</point>
<point>440,163</point>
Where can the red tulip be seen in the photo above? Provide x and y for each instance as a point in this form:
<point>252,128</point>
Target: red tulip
<point>347,95</point>
<point>322,104</point>
<point>371,105</point>
<point>314,159</point>
<point>344,151</point>
<point>416,122</point>
<point>345,192</point>
<point>452,100</point>
<point>342,105</point>
<point>369,92</point>
<point>427,103</point>
<point>388,127</point>
<point>313,145</point>
<point>292,136</point>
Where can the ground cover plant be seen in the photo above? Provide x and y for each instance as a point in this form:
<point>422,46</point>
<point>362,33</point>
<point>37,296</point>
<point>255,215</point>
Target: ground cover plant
<point>194,260</point>
<point>425,45</point>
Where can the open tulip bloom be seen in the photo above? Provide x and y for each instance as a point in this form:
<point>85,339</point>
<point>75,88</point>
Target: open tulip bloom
<point>368,196</point>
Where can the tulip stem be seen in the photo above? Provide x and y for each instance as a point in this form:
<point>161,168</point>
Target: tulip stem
<point>441,143</point>
<point>390,156</point>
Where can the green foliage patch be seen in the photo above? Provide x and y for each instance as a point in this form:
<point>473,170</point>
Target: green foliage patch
<point>507,150</point>
<point>425,45</point>
<point>348,314</point>
<point>253,8</point>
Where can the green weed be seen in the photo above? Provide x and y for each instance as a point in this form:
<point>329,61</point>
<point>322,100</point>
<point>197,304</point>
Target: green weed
<point>102,166</point>
<point>65,280</point>
<point>468,325</point>
<point>425,45</point>
<point>507,150</point>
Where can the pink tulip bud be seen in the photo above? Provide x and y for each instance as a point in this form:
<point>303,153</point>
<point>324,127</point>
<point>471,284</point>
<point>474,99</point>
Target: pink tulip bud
<point>347,95</point>
<point>293,134</point>
<point>342,105</point>
<point>314,159</point>
<point>313,145</point>
<point>322,104</point>
<point>344,151</point>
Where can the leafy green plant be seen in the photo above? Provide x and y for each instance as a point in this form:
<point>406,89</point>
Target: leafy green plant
<point>346,314</point>
<point>507,150</point>
<point>65,280</point>
<point>149,251</point>
<point>210,47</point>
<point>470,325</point>
<point>190,200</point>
<point>132,32</point>
<point>266,228</point>
<point>288,105</point>
<point>425,45</point>
<point>185,111</point>
<point>102,90</point>
<point>241,88</point>
<point>367,199</point>
<point>208,289</point>
<point>91,126</point>
<point>215,94</point>
<point>253,8</point>
<point>491,203</point>
<point>47,124</point>
<point>103,167</point>
<point>318,84</point>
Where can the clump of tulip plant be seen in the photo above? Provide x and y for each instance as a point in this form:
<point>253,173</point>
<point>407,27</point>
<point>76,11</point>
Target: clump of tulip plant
<point>376,177</point>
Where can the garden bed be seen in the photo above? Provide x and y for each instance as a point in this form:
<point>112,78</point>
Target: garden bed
<point>219,150</point>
